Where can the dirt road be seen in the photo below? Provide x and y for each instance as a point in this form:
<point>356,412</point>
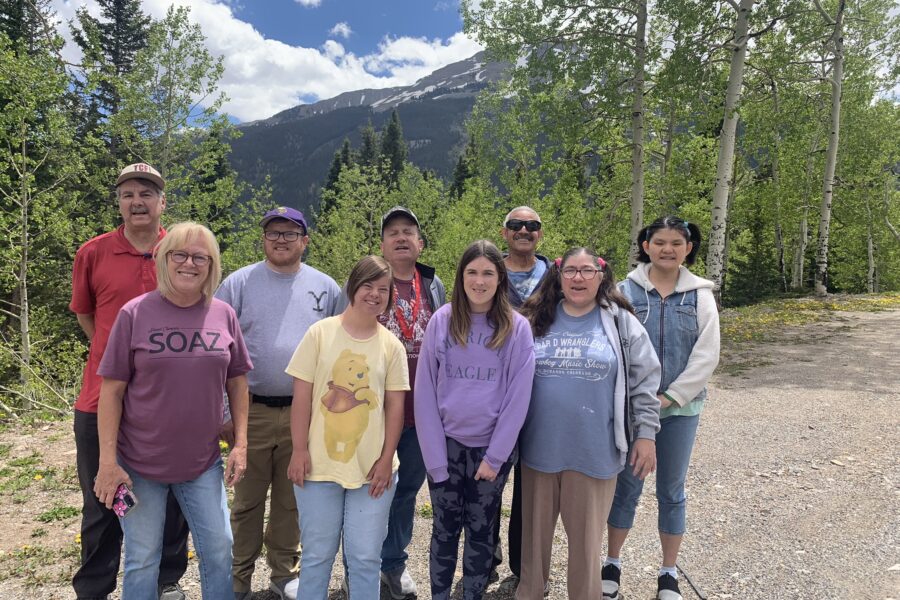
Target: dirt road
<point>794,490</point>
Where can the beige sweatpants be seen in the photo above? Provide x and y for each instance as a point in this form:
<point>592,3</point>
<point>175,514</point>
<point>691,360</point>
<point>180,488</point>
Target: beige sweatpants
<point>583,503</point>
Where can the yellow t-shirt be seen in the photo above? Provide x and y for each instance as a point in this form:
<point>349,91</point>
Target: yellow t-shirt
<point>349,377</point>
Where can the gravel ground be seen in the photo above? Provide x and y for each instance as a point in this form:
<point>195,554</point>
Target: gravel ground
<point>794,488</point>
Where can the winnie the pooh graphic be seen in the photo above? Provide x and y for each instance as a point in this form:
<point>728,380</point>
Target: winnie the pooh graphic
<point>346,405</point>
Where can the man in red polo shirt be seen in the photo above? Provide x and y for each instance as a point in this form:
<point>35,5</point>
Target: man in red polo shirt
<point>110,270</point>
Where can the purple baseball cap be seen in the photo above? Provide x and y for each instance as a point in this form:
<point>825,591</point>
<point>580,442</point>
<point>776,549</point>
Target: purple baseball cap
<point>288,214</point>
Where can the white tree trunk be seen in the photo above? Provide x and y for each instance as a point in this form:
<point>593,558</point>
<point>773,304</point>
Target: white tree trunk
<point>637,130</point>
<point>24,310</point>
<point>871,284</point>
<point>803,235</point>
<point>776,185</point>
<point>837,75</point>
<point>800,252</point>
<point>715,258</point>
<point>886,199</point>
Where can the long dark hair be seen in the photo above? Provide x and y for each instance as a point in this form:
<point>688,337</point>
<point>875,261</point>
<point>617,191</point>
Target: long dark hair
<point>540,308</point>
<point>499,315</point>
<point>690,232</point>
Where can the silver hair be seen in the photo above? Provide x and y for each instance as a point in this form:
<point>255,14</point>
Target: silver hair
<point>518,208</point>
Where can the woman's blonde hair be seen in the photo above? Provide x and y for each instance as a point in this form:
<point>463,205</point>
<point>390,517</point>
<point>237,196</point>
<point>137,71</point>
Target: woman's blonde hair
<point>177,237</point>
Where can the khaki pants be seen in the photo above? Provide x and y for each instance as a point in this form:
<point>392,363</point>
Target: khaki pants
<point>583,503</point>
<point>268,455</point>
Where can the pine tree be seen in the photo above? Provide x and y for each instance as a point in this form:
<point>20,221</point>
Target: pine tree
<point>393,150</point>
<point>466,168</point>
<point>27,21</point>
<point>342,158</point>
<point>368,154</point>
<point>110,46</point>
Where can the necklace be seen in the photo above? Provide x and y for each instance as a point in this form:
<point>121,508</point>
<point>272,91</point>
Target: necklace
<point>407,329</point>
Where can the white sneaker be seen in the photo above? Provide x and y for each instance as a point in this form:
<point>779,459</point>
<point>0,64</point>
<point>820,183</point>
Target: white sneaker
<point>286,589</point>
<point>400,584</point>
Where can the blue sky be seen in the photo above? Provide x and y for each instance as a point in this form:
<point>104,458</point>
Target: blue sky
<point>280,53</point>
<point>368,22</point>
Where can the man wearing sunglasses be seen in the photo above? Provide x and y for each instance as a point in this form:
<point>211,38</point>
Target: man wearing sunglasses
<point>276,301</point>
<point>522,229</point>
<point>110,270</point>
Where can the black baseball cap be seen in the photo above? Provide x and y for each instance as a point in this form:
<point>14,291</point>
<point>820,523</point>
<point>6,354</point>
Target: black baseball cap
<point>398,211</point>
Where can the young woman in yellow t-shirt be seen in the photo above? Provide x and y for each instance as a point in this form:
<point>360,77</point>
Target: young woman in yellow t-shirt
<point>350,375</point>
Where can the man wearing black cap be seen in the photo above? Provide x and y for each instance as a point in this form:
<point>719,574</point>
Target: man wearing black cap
<point>418,292</point>
<point>110,270</point>
<point>276,301</point>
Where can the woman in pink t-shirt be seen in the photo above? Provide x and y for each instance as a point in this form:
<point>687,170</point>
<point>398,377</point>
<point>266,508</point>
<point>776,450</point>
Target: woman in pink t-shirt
<point>172,354</point>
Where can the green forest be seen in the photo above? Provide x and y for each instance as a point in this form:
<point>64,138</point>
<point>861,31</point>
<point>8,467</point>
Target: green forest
<point>774,126</point>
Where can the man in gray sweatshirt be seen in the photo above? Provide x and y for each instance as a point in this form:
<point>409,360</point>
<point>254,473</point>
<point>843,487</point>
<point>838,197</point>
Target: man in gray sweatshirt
<point>276,301</point>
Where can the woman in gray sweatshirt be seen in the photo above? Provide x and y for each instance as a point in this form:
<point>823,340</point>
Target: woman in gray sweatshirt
<point>594,397</point>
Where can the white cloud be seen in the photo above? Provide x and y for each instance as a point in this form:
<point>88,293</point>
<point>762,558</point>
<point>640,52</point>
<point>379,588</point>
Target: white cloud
<point>341,29</point>
<point>333,50</point>
<point>264,76</point>
<point>308,3</point>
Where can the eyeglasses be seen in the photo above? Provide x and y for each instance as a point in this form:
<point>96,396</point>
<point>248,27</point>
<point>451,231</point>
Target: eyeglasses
<point>586,272</point>
<point>517,224</point>
<point>199,260</point>
<point>289,236</point>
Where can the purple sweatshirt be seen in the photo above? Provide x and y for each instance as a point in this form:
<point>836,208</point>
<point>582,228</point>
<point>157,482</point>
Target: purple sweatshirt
<point>475,395</point>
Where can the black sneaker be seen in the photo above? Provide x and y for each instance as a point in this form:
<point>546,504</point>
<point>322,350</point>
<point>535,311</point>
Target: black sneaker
<point>667,588</point>
<point>611,575</point>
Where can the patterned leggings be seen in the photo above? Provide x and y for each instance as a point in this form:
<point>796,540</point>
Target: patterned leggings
<point>462,502</point>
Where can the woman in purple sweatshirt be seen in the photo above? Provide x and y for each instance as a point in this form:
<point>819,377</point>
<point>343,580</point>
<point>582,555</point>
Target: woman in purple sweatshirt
<point>473,387</point>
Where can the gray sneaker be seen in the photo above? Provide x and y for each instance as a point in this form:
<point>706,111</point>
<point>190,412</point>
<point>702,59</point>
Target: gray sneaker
<point>243,595</point>
<point>285,589</point>
<point>399,583</point>
<point>171,591</point>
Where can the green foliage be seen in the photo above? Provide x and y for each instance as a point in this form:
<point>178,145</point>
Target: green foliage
<point>560,129</point>
<point>58,163</point>
<point>393,150</point>
<point>351,227</point>
<point>39,163</point>
<point>58,513</point>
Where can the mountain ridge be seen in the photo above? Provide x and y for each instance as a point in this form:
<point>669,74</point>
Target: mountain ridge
<point>295,146</point>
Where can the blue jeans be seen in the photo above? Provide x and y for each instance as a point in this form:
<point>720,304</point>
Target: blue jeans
<point>411,476</point>
<point>204,505</point>
<point>330,513</point>
<point>674,443</point>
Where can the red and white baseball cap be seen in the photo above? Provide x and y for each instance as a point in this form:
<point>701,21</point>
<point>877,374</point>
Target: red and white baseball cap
<point>141,171</point>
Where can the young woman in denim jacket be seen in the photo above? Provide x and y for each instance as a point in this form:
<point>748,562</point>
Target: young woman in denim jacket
<point>679,311</point>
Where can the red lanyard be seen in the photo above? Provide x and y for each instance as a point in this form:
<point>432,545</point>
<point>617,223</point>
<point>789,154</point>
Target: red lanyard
<point>408,329</point>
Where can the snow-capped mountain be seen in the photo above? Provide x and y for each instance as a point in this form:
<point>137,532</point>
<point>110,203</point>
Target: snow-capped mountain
<point>295,147</point>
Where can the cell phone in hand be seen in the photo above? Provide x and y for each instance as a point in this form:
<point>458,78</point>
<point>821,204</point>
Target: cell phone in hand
<point>124,501</point>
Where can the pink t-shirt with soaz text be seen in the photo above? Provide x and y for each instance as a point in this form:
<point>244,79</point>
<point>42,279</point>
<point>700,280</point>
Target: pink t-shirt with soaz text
<point>176,361</point>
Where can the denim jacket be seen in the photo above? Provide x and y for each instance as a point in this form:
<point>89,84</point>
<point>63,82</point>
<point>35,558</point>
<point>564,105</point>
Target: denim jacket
<point>684,331</point>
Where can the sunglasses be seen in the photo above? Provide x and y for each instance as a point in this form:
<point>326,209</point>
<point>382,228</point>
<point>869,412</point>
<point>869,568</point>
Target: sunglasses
<point>517,224</point>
